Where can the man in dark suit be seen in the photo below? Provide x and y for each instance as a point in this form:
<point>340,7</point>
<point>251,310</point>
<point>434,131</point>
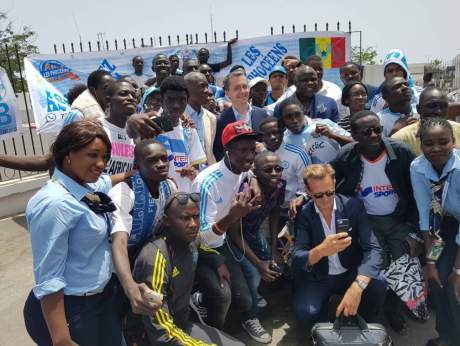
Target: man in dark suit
<point>236,87</point>
<point>335,253</point>
<point>315,105</point>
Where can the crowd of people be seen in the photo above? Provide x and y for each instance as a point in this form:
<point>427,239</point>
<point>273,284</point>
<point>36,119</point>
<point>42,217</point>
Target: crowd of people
<point>172,198</point>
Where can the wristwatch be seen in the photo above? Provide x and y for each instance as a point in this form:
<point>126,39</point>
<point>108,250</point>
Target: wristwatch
<point>456,271</point>
<point>361,284</point>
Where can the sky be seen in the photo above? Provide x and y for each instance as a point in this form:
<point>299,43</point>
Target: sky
<point>423,29</point>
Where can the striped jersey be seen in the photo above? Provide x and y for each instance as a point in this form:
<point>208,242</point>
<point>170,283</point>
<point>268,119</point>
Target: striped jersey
<point>217,186</point>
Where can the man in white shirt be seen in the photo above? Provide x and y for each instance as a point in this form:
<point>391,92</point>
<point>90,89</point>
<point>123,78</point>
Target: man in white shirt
<point>183,143</point>
<point>204,120</point>
<point>335,253</point>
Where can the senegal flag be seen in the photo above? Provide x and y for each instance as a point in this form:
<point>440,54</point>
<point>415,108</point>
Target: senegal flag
<point>330,49</point>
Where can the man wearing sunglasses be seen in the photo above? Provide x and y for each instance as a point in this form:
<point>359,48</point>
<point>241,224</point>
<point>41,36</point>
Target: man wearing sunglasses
<point>250,257</point>
<point>377,170</point>
<point>167,266</point>
<point>335,253</point>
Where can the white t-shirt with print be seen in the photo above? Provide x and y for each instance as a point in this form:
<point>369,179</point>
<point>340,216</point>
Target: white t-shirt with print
<point>376,190</point>
<point>184,148</point>
<point>123,197</point>
<point>122,155</point>
<point>217,186</point>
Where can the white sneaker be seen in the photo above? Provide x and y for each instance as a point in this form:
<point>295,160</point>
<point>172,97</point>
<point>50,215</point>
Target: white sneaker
<point>196,303</point>
<point>256,331</point>
<point>261,302</point>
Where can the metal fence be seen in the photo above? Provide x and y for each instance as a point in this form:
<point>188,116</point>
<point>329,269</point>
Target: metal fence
<point>30,143</point>
<point>175,40</point>
<point>445,73</point>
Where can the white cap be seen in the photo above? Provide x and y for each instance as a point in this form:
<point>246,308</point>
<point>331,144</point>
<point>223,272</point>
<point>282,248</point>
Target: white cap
<point>257,80</point>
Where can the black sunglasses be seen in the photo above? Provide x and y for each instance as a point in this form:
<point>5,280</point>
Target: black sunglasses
<point>377,130</point>
<point>321,194</point>
<point>182,199</point>
<point>278,169</point>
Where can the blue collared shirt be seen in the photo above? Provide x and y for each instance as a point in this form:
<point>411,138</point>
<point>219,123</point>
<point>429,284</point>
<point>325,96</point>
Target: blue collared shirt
<point>70,244</point>
<point>217,92</point>
<point>422,172</point>
<point>197,118</point>
<point>246,118</point>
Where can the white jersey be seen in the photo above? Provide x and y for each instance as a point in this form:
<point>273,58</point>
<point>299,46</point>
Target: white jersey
<point>184,149</point>
<point>293,159</point>
<point>388,119</point>
<point>376,191</point>
<point>122,154</point>
<point>217,186</point>
<point>320,149</point>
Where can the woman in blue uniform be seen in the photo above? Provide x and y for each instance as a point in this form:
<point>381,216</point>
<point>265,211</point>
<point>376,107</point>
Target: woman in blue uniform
<point>73,300</point>
<point>435,179</point>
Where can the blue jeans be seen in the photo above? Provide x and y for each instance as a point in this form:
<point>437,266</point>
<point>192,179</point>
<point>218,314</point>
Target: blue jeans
<point>245,276</point>
<point>311,296</point>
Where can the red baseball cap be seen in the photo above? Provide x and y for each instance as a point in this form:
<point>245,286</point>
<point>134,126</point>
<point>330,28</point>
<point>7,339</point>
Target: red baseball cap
<point>237,129</point>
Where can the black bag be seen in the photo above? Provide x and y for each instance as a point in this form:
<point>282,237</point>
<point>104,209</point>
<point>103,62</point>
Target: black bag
<point>350,331</point>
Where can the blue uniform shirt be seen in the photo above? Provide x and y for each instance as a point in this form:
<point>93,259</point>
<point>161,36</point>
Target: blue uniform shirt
<point>421,172</point>
<point>70,245</point>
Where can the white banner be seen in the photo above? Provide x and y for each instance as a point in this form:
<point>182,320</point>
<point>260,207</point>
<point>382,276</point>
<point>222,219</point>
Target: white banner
<point>51,76</point>
<point>9,125</point>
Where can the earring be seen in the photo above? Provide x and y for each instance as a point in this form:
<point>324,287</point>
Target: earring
<point>69,162</point>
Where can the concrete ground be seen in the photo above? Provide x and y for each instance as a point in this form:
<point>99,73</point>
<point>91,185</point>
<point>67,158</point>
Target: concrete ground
<point>16,280</point>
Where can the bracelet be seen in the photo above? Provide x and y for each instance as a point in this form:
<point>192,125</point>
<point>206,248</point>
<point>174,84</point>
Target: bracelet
<point>456,271</point>
<point>217,229</point>
<point>430,262</point>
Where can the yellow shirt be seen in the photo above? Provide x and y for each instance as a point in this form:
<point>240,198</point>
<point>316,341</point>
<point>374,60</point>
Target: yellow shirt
<point>408,135</point>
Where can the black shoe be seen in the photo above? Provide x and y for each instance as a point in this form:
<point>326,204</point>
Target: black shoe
<point>437,342</point>
<point>397,322</point>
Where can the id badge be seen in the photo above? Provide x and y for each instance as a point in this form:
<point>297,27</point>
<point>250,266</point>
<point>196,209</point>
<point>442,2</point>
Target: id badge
<point>436,250</point>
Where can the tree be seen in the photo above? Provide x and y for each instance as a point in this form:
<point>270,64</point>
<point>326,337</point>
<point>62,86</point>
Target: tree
<point>369,55</point>
<point>23,39</point>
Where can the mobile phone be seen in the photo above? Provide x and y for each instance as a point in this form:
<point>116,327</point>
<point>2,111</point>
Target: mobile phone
<point>164,123</point>
<point>342,225</point>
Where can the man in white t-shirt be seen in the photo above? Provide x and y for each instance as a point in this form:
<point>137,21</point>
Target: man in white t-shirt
<point>294,159</point>
<point>320,138</point>
<point>121,105</point>
<point>140,202</point>
<point>182,143</point>
<point>378,170</point>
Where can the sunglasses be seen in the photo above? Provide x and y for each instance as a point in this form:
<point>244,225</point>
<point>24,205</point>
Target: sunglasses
<point>377,130</point>
<point>321,194</point>
<point>278,169</point>
<point>182,198</point>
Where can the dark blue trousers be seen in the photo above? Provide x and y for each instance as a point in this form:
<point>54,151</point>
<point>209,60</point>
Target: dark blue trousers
<point>311,296</point>
<point>446,304</point>
<point>93,320</point>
